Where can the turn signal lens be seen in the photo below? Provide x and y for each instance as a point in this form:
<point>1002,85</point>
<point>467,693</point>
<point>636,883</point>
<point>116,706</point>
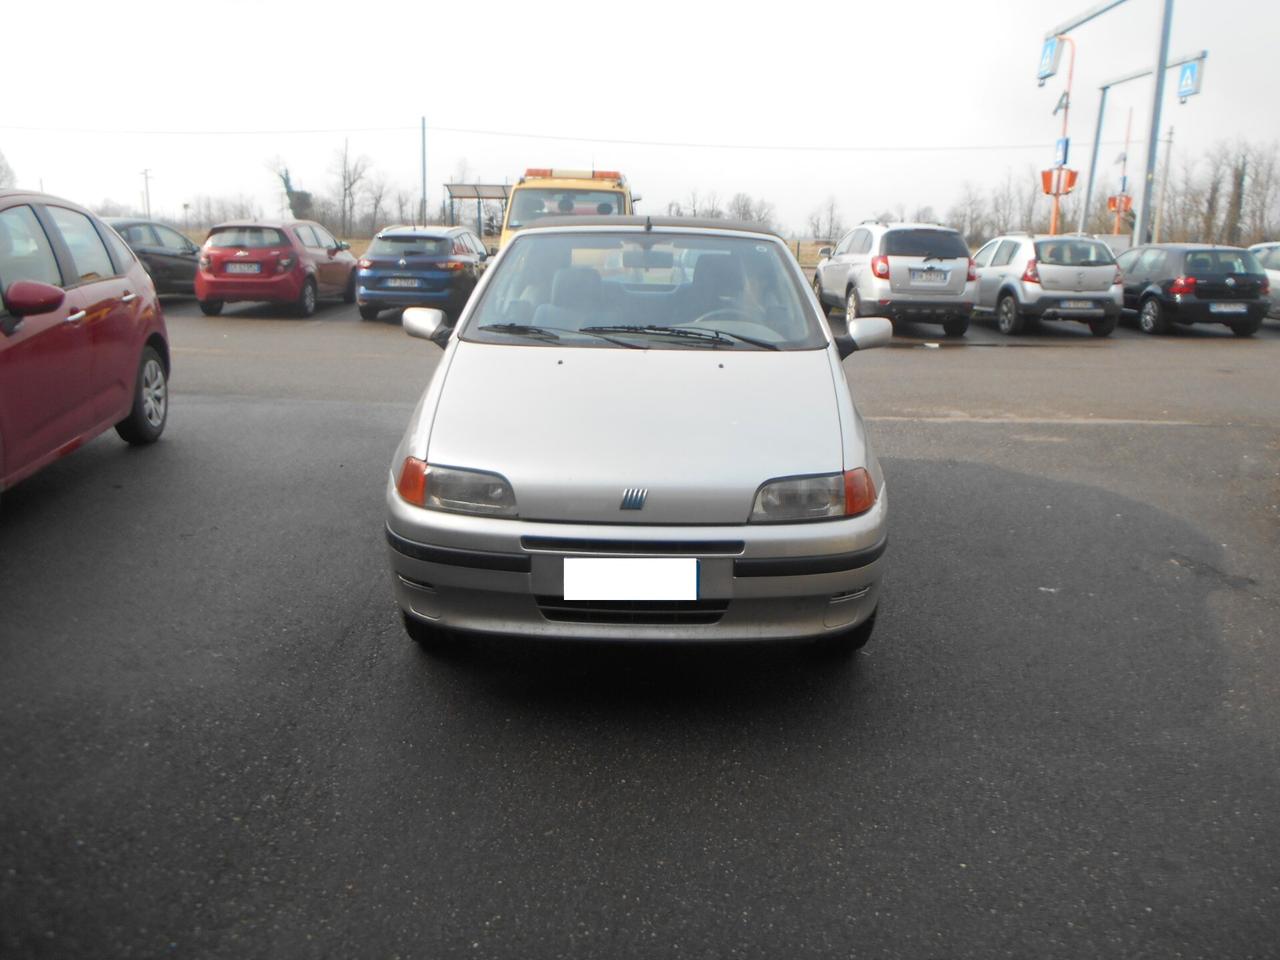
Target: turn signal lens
<point>1032,273</point>
<point>859,492</point>
<point>412,482</point>
<point>364,264</point>
<point>880,267</point>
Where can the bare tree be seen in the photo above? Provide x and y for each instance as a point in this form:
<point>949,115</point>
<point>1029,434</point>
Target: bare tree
<point>351,173</point>
<point>404,211</point>
<point>1235,202</point>
<point>300,201</point>
<point>376,193</point>
<point>7,177</point>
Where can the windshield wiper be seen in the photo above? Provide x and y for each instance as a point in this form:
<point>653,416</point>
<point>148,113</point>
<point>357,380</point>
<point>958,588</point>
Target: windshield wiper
<point>657,329</point>
<point>521,330</point>
<point>762,344</point>
<point>553,333</point>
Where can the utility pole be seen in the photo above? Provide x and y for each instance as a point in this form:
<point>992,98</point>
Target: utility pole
<point>1153,138</point>
<point>423,218</point>
<point>146,188</point>
<point>1164,187</point>
<point>186,219</point>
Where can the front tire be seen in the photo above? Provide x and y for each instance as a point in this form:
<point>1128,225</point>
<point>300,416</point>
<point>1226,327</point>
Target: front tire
<point>369,311</point>
<point>1151,317</point>
<point>852,305</point>
<point>305,305</point>
<point>817,292</point>
<point>428,636</point>
<point>211,308</point>
<point>150,410</point>
<point>1246,328</point>
<point>845,643</point>
<point>955,326</point>
<point>1008,317</point>
<point>1104,327</point>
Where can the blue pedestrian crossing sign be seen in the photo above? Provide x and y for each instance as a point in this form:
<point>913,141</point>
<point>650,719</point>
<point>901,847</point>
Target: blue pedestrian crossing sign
<point>1050,54</point>
<point>1060,151</point>
<point>1190,76</point>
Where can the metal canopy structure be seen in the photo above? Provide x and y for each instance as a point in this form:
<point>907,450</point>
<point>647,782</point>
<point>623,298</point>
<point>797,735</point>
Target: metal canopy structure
<point>479,192</point>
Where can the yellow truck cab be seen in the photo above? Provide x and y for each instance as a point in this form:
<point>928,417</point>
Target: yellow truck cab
<point>545,192</point>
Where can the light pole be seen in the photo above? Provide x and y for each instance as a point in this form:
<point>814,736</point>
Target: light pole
<point>1066,113</point>
<point>1143,221</point>
<point>146,189</point>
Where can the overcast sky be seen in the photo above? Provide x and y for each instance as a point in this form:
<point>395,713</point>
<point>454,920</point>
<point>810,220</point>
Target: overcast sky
<point>120,87</point>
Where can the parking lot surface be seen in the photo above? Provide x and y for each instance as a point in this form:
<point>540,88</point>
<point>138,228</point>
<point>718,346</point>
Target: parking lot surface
<point>1062,741</point>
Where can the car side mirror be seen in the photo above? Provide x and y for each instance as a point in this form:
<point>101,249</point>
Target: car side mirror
<point>824,252</point>
<point>426,323</point>
<point>25,298</point>
<point>865,333</point>
<point>343,245</point>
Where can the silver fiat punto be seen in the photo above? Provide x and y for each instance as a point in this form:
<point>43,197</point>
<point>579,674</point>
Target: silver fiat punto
<point>639,430</point>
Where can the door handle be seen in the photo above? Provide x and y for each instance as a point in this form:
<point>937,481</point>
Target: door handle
<point>129,298</point>
<point>74,317</point>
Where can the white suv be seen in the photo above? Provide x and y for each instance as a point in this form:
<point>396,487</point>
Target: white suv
<point>903,271</point>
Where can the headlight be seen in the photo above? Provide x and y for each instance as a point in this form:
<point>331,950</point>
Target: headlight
<point>455,490</point>
<point>822,497</point>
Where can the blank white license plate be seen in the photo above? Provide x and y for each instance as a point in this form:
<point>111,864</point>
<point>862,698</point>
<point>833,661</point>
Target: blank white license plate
<point>402,282</point>
<point>929,276</point>
<point>630,578</point>
<point>244,268</point>
<point>1077,304</point>
<point>1228,308</point>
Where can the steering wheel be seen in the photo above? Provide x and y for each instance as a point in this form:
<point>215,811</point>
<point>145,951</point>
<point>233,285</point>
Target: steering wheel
<point>724,311</point>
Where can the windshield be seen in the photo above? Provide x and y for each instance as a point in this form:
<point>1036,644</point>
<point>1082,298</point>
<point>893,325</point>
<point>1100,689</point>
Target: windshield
<point>654,290</point>
<point>1074,253</point>
<point>1221,261</point>
<point>404,246</point>
<point>531,203</point>
<point>252,238</point>
<point>940,244</point>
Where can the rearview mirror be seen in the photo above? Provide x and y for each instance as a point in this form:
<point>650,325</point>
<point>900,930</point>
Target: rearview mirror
<point>824,252</point>
<point>426,323</point>
<point>25,298</point>
<point>648,259</point>
<point>865,333</point>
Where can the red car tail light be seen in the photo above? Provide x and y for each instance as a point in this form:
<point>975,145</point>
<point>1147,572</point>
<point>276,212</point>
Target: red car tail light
<point>880,267</point>
<point>973,270</point>
<point>452,265</point>
<point>205,262</point>
<point>286,264</point>
<point>859,492</point>
<point>1183,285</point>
<point>1119,277</point>
<point>1032,273</point>
<point>1265,289</point>
<point>364,263</point>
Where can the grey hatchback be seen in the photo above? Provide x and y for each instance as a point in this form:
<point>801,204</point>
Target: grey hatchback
<point>612,449</point>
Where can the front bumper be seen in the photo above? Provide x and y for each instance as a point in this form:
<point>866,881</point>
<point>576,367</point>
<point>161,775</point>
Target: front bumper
<point>756,582</point>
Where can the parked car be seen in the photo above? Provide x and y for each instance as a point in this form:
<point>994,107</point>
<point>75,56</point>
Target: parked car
<point>1023,277</point>
<point>547,192</point>
<point>903,271</point>
<point>83,345</point>
<point>1268,255</point>
<point>1168,283</point>
<point>419,266</point>
<point>167,256</point>
<point>607,455</point>
<point>295,262</point>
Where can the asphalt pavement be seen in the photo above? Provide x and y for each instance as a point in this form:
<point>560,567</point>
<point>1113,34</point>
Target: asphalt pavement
<point>1062,741</point>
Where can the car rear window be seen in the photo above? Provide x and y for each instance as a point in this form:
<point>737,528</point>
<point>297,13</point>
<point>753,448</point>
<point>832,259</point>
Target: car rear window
<point>251,238</point>
<point>1221,261</point>
<point>944,244</point>
<point>399,246</point>
<point>1074,253</point>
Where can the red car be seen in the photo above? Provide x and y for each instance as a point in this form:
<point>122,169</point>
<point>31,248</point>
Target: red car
<point>295,262</point>
<point>83,344</point>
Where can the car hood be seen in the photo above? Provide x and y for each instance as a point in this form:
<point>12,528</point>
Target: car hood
<point>699,429</point>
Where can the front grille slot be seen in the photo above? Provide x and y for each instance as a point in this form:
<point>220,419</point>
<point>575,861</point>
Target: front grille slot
<point>656,548</point>
<point>672,612</point>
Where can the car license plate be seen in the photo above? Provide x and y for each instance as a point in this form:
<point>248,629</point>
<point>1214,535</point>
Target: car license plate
<point>1228,308</point>
<point>1077,304</point>
<point>630,578</point>
<point>244,268</point>
<point>929,276</point>
<point>402,282</point>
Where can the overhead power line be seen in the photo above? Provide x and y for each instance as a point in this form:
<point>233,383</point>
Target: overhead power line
<point>678,144</point>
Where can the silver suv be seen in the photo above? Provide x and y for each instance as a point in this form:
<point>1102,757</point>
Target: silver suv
<point>903,271</point>
<point>1024,277</point>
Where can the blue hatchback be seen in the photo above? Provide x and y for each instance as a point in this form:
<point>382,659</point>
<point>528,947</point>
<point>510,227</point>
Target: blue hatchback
<point>419,267</point>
